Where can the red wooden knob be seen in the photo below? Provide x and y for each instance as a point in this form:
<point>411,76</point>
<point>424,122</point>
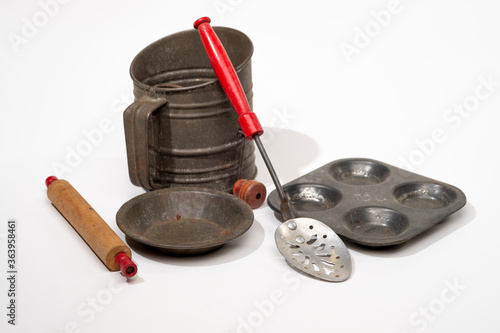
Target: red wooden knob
<point>250,191</point>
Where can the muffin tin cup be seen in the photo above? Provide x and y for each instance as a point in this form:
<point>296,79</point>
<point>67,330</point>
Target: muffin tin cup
<point>370,202</point>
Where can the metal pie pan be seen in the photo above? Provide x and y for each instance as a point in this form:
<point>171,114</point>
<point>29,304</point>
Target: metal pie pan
<point>184,221</point>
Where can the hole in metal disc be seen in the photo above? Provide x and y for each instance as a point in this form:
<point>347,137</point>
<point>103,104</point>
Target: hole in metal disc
<point>312,239</point>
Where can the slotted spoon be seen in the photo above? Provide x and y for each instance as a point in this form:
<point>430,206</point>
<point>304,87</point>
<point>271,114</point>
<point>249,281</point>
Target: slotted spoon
<point>307,244</point>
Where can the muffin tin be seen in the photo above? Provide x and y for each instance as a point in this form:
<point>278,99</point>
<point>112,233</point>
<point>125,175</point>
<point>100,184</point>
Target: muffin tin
<point>370,202</point>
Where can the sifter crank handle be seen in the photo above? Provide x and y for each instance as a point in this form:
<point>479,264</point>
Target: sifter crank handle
<point>228,78</point>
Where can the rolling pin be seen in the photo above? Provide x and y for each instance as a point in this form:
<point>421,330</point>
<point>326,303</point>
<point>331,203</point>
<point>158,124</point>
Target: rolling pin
<point>90,226</point>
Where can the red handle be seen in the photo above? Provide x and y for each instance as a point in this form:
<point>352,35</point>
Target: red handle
<point>125,264</point>
<point>228,79</point>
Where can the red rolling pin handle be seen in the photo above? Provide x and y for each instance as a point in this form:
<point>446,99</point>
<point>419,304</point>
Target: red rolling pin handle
<point>230,82</point>
<point>125,264</point>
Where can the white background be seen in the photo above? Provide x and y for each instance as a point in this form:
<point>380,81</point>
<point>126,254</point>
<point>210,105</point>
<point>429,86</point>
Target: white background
<point>318,104</point>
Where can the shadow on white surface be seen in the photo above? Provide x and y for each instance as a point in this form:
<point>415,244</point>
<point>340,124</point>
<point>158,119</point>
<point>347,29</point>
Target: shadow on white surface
<point>423,240</point>
<point>233,250</point>
<point>289,151</point>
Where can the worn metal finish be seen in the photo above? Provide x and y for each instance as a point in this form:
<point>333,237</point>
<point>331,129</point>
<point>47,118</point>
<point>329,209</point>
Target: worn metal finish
<point>184,221</point>
<point>181,129</point>
<point>313,248</point>
<point>370,202</point>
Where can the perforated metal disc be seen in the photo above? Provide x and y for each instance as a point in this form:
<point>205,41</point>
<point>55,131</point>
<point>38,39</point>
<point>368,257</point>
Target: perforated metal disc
<point>314,248</point>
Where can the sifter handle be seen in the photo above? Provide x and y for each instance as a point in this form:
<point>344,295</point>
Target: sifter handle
<point>228,78</point>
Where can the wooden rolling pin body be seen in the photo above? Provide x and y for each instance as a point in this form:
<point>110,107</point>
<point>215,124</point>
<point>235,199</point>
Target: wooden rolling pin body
<point>90,226</point>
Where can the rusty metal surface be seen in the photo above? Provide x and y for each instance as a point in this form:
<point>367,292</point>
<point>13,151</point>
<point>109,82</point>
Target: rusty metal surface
<point>184,221</point>
<point>181,130</point>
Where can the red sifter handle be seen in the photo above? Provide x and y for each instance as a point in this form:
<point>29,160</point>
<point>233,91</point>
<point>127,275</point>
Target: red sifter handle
<point>228,79</point>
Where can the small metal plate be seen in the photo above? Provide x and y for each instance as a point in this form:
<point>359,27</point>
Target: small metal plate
<point>312,247</point>
<point>184,221</point>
